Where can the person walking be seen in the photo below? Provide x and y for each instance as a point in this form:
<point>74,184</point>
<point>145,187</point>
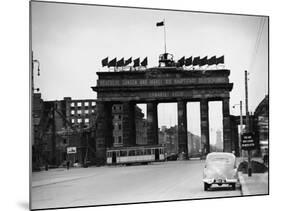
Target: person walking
<point>67,164</point>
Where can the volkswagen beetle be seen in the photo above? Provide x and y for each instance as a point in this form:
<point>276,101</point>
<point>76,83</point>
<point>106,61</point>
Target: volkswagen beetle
<point>220,168</point>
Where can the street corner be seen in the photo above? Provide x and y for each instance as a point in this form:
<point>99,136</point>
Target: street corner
<point>257,184</point>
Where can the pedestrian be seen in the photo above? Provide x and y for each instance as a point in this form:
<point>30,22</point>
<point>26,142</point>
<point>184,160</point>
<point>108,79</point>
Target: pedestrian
<point>46,166</point>
<point>67,164</point>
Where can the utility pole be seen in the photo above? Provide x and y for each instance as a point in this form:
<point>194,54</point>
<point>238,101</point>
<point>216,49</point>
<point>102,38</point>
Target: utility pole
<point>247,122</point>
<point>241,128</point>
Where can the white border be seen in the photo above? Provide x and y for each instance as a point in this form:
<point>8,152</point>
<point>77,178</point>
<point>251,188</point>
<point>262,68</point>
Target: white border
<point>15,102</point>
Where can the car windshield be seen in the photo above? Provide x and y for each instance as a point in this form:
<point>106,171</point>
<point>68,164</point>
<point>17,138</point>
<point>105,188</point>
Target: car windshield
<point>220,161</point>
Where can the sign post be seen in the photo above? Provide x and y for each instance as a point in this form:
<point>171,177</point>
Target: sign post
<point>248,144</point>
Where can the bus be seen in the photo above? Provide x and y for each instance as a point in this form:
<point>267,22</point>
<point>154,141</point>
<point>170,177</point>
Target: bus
<point>136,154</point>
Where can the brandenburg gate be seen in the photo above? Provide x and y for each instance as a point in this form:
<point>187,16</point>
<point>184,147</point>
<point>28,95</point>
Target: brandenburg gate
<point>157,85</point>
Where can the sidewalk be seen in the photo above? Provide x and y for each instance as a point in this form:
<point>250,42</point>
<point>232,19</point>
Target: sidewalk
<point>254,185</point>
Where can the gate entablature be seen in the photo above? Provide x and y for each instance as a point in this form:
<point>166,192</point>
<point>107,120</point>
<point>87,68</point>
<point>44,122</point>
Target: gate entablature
<point>165,83</point>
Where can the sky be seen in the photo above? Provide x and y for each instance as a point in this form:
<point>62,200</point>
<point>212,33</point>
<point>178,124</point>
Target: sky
<point>71,40</point>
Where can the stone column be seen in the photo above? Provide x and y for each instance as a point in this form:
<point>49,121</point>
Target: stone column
<point>182,128</point>
<point>104,129</point>
<point>204,115</point>
<point>129,124</point>
<point>226,126</point>
<point>152,124</point>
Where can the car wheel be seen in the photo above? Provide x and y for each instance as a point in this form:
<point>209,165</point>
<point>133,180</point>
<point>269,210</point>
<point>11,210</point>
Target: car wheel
<point>206,186</point>
<point>233,185</point>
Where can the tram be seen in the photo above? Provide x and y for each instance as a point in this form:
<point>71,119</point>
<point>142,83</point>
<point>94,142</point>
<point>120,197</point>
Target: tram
<point>136,154</point>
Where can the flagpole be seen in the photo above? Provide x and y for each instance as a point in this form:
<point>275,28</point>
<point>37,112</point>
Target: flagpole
<point>165,35</point>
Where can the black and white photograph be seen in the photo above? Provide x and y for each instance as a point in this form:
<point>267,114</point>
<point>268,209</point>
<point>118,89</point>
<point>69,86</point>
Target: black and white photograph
<point>143,105</point>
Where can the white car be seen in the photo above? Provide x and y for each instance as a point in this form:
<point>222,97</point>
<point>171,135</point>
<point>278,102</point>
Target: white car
<point>220,168</point>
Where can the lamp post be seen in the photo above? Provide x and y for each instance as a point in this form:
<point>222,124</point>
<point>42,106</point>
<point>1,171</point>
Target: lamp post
<point>241,127</point>
<point>32,74</point>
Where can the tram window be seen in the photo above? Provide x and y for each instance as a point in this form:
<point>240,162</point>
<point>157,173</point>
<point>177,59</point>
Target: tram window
<point>132,153</point>
<point>123,153</point>
<point>139,152</point>
<point>109,154</point>
<point>152,151</point>
<point>148,151</point>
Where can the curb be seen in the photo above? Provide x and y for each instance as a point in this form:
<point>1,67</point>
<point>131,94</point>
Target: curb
<point>244,189</point>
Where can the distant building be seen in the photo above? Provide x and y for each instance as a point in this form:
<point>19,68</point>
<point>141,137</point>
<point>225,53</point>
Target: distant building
<point>194,145</point>
<point>219,142</point>
<point>261,123</point>
<point>118,123</point>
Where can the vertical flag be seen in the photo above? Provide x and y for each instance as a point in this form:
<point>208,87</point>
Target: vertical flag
<point>220,60</point>
<point>120,63</point>
<point>203,61</point>
<point>128,61</point>
<point>104,62</point>
<point>112,63</point>
<point>137,62</point>
<point>180,62</point>
<point>196,61</point>
<point>188,61</point>
<point>144,62</point>
<point>212,60</point>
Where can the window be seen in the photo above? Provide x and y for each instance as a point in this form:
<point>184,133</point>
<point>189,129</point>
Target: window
<point>79,120</point>
<point>79,104</point>
<point>120,127</point>
<point>123,153</point>
<point>93,103</point>
<point>72,104</point>
<point>114,108</point>
<point>120,117</point>
<point>139,152</point>
<point>86,120</point>
<point>72,121</point>
<point>86,104</point>
<point>147,151</point>
<point>86,111</point>
<point>109,154</point>
<point>119,139</point>
<point>132,153</point>
<point>79,111</point>
<point>72,112</point>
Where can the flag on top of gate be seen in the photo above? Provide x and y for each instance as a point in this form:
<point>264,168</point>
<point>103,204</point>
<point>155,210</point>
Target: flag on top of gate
<point>196,61</point>
<point>220,60</point>
<point>112,63</point>
<point>128,61</point>
<point>188,61</point>
<point>180,62</point>
<point>203,61</point>
<point>104,62</point>
<point>160,23</point>
<point>120,63</point>
<point>144,62</point>
<point>212,60</point>
<point>137,62</point>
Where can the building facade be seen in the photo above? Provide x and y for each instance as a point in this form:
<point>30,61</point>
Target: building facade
<point>64,123</point>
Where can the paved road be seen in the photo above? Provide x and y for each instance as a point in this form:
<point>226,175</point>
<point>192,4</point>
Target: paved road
<point>123,184</point>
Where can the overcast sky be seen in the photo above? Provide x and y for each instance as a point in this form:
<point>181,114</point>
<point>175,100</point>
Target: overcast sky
<point>71,40</point>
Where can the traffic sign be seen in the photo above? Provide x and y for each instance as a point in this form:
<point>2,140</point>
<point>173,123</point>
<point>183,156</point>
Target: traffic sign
<point>247,141</point>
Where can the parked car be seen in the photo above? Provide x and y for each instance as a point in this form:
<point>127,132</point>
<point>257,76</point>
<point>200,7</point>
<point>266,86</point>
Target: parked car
<point>220,168</point>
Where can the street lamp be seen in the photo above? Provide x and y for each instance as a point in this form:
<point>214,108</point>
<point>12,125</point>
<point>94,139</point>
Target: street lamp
<point>38,72</point>
<point>241,126</point>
